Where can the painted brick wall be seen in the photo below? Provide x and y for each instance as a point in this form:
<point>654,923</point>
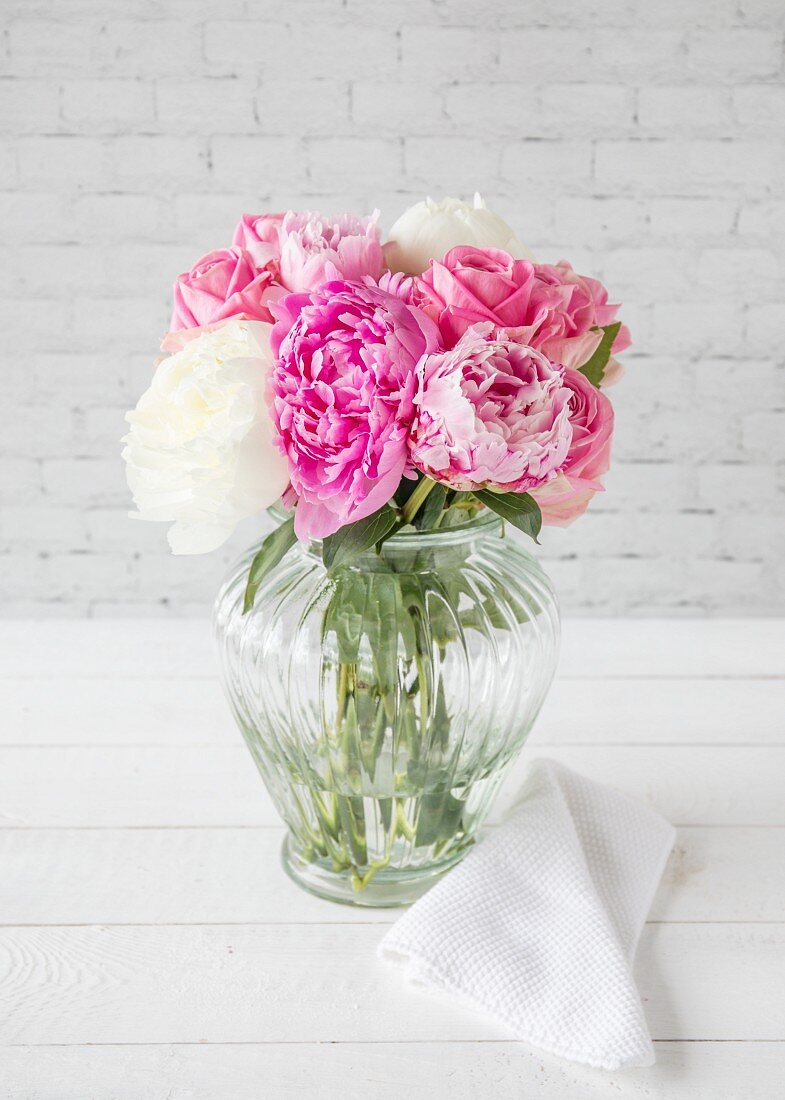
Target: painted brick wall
<point>645,141</point>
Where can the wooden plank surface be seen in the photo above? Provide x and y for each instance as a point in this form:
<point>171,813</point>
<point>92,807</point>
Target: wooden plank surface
<point>63,710</point>
<point>147,924</point>
<point>215,786</point>
<point>385,1071</point>
<point>215,876</point>
<point>322,983</point>
<point>591,648</point>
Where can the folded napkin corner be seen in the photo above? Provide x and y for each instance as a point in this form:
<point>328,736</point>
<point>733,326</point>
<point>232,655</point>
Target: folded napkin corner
<point>539,924</point>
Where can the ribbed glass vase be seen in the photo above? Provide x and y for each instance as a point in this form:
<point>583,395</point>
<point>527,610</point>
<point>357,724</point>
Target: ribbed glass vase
<point>383,704</point>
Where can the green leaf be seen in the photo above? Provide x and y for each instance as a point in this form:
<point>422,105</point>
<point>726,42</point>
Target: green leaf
<point>432,509</point>
<point>405,489</point>
<point>274,548</point>
<point>440,816</point>
<point>382,613</point>
<point>594,368</point>
<point>356,538</point>
<point>416,500</point>
<point>519,509</point>
<point>344,614</point>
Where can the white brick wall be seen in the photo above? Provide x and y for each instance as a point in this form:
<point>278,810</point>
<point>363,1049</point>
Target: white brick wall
<point>645,141</point>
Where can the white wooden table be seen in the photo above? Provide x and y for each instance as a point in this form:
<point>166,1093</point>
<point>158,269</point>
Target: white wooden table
<point>151,946</point>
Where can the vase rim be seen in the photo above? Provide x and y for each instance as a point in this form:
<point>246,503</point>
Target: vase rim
<point>481,524</point>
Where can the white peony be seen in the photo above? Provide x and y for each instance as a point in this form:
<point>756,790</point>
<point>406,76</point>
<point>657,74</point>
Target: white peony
<point>200,451</point>
<point>427,230</point>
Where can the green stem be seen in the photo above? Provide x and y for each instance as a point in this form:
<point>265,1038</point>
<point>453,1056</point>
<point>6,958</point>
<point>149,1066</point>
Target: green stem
<point>359,882</point>
<point>412,505</point>
<point>422,681</point>
<point>343,677</point>
<point>401,824</point>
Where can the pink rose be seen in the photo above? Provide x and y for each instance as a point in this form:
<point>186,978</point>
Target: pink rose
<point>342,391</point>
<point>591,415</point>
<point>491,412</point>
<point>257,234</point>
<point>554,309</point>
<point>614,372</point>
<point>567,337</point>
<point>223,284</point>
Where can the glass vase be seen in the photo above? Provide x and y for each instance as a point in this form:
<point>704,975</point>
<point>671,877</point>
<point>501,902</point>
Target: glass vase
<point>384,703</point>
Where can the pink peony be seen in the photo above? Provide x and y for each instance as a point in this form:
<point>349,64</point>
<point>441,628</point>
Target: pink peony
<point>303,249</point>
<point>315,249</point>
<point>492,412</point>
<point>591,415</point>
<point>342,397</point>
<point>258,235</point>
<point>223,284</point>
<point>554,308</point>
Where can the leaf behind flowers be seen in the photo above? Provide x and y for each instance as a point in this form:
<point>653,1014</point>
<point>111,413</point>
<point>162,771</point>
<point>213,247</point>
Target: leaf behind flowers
<point>519,509</point>
<point>594,368</point>
<point>432,509</point>
<point>355,538</point>
<point>273,549</point>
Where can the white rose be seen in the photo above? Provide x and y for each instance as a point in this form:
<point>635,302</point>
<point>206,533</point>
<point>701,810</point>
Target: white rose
<point>427,230</point>
<point>200,451</point>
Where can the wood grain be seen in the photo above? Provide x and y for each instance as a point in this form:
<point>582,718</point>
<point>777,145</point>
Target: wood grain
<point>591,648</point>
<point>209,876</point>
<point>218,786</point>
<point>147,924</point>
<point>322,983</point>
<point>384,1071</point>
<point>65,710</point>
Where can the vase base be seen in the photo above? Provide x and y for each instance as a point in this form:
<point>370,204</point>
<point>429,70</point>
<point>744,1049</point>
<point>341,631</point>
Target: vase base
<point>383,890</point>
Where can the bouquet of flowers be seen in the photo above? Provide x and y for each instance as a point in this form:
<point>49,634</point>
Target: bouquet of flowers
<point>372,386</point>
<point>419,388</point>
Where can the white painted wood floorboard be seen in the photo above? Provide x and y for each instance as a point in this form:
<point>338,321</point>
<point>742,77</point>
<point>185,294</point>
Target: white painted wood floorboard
<point>151,947</point>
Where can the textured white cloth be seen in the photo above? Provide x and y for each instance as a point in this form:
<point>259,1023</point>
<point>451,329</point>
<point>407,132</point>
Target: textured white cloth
<point>539,924</point>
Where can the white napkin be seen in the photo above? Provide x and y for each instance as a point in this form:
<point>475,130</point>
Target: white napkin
<point>538,925</point>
